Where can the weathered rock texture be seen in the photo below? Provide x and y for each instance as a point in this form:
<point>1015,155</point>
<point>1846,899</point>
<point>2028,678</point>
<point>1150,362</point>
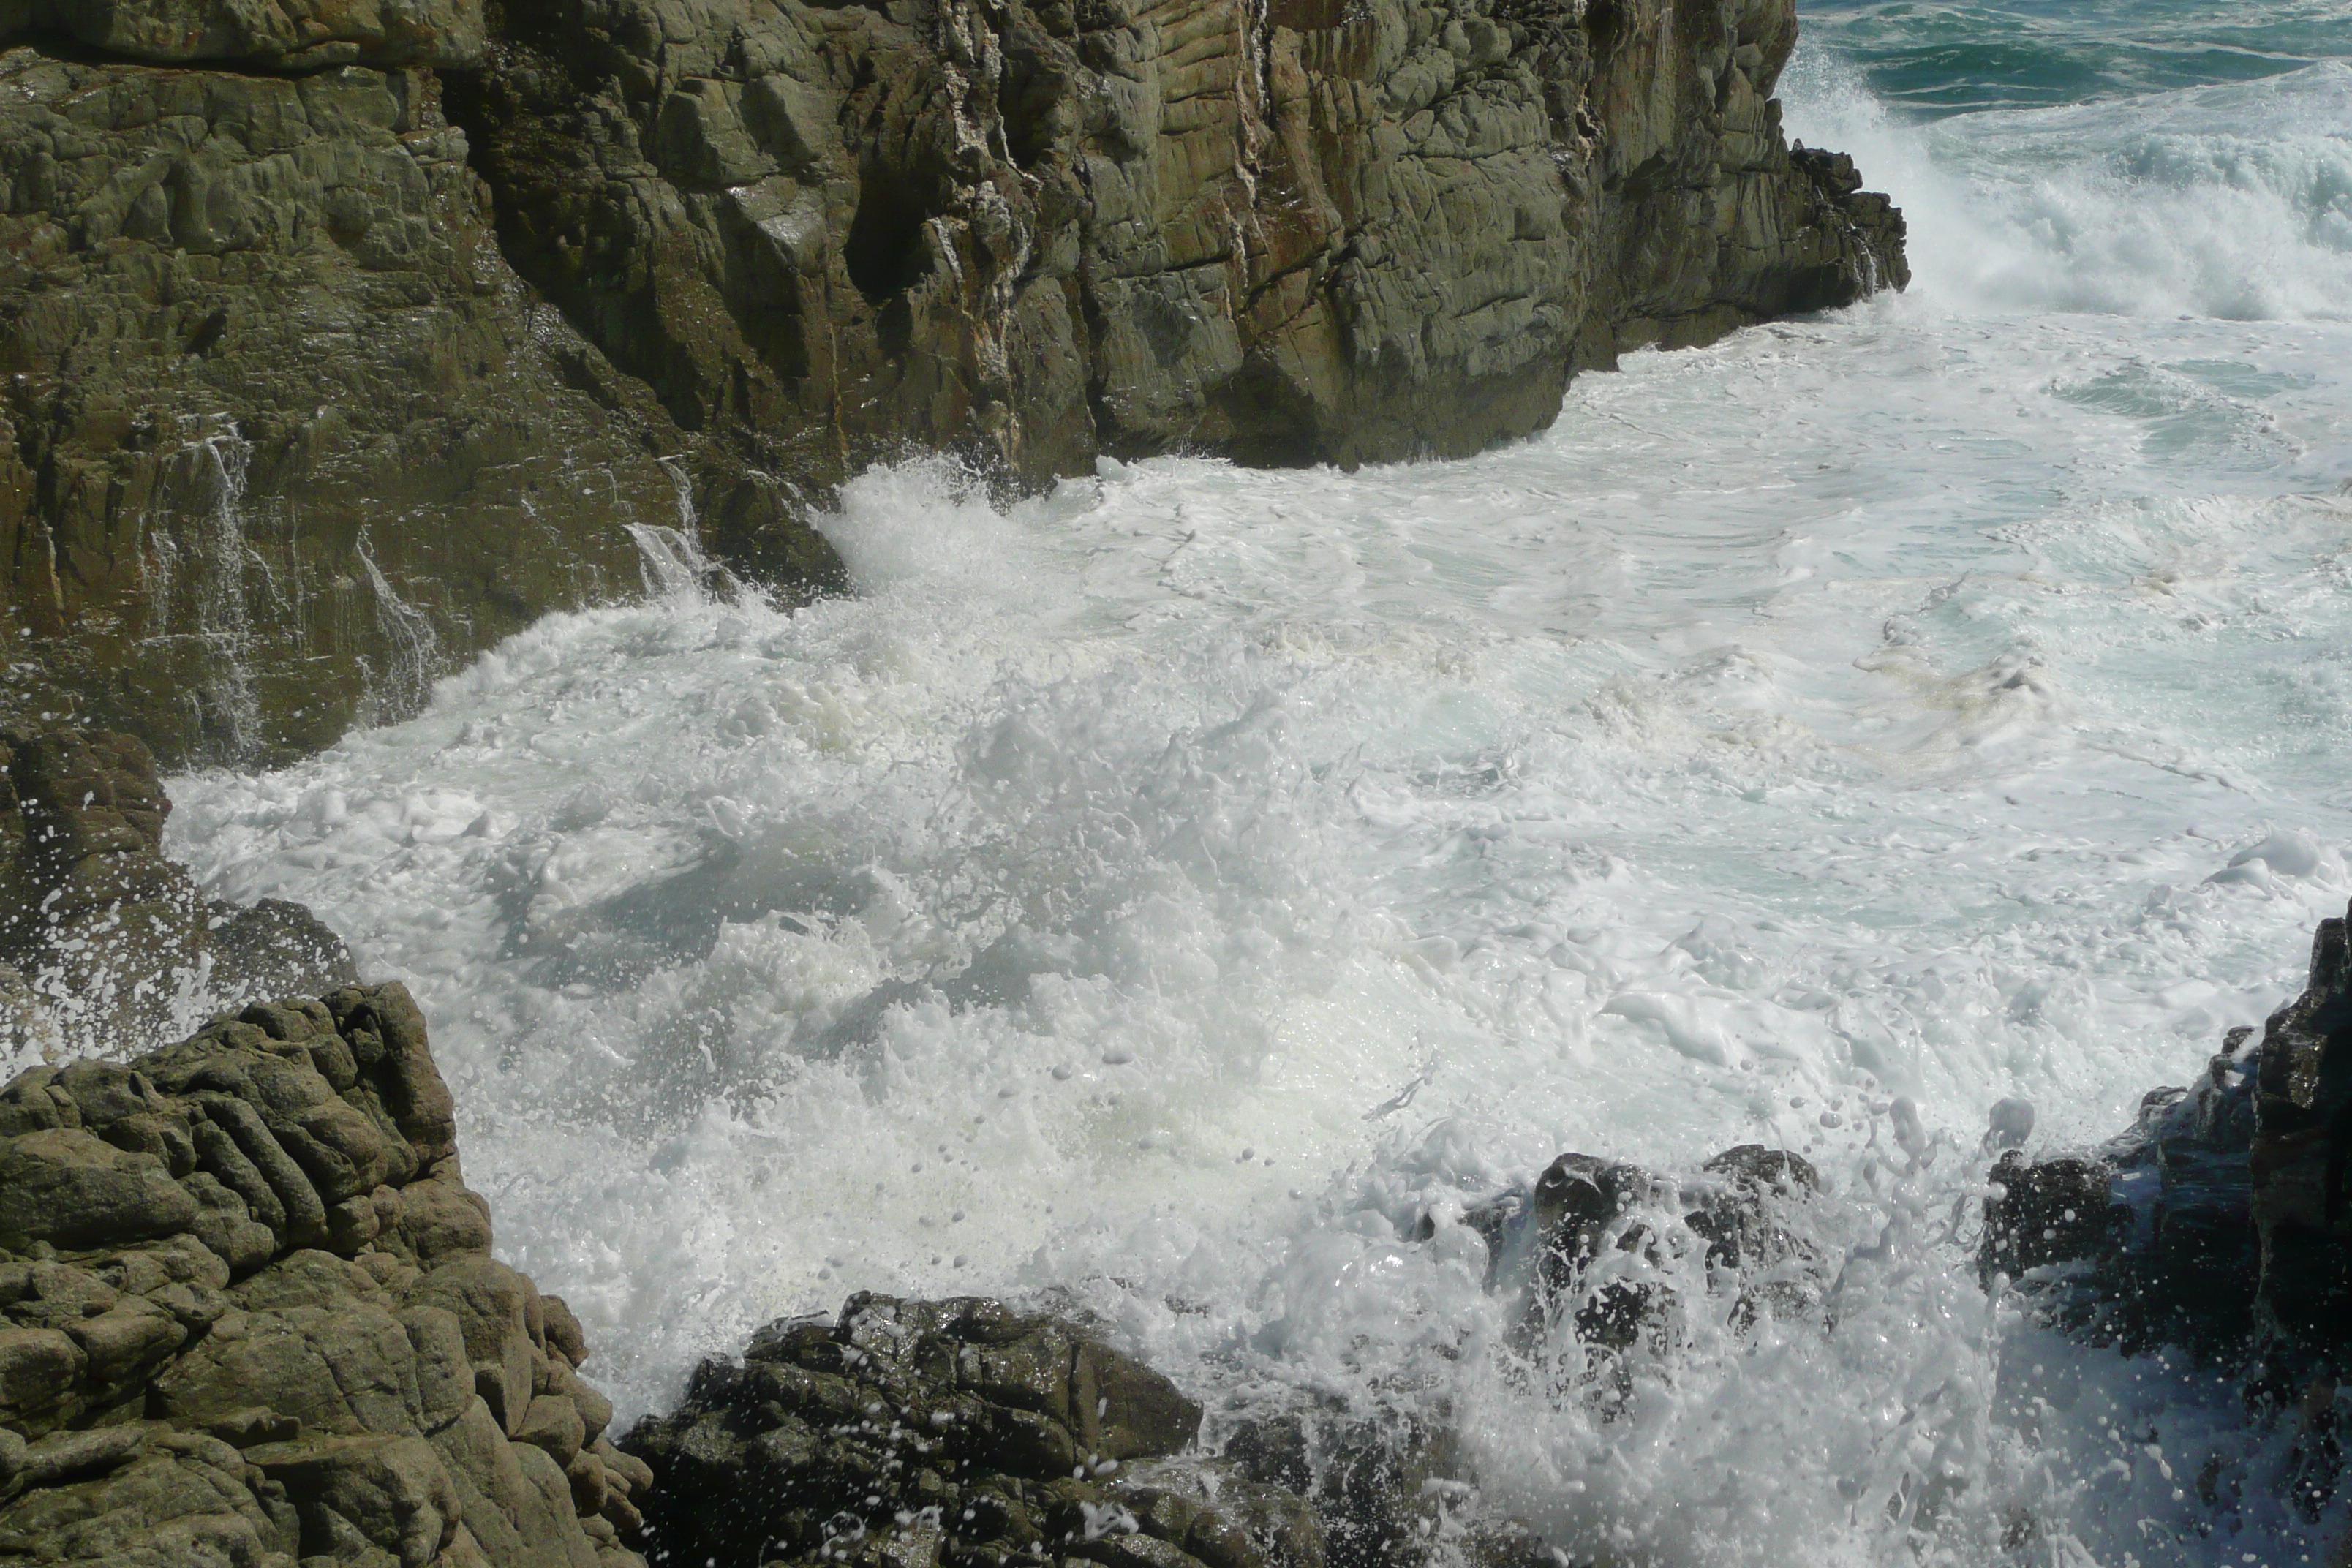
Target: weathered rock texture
<point>281,435</point>
<point>1294,232</point>
<point>915,1434</point>
<point>102,939</point>
<point>343,336</point>
<point>278,34</point>
<point>252,1318</point>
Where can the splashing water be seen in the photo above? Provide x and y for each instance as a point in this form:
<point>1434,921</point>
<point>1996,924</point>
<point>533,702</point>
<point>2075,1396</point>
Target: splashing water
<point>1172,889</point>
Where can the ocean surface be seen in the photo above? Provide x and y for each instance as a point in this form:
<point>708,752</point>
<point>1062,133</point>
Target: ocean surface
<point>1166,891</point>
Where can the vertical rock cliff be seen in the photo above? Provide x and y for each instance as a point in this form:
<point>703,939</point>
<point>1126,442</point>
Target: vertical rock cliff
<point>1290,232</point>
<point>343,336</point>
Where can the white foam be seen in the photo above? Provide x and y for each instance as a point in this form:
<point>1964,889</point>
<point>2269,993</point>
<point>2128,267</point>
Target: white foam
<point>2231,201</point>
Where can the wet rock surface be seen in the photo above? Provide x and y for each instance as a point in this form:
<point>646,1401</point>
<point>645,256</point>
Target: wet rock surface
<point>2218,1222</point>
<point>285,438</point>
<point>910,1434</point>
<point>251,1317</point>
<point>101,936</point>
<point>966,1431</point>
<point>344,338</point>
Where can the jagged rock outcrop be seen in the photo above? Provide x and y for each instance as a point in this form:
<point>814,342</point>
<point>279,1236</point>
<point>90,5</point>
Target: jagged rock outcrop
<point>252,1318</point>
<point>104,939</point>
<point>343,336</point>
<point>1290,233</point>
<point>2219,1221</point>
<point>915,1434</point>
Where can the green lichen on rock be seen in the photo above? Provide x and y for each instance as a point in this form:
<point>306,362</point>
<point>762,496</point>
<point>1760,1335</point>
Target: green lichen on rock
<point>282,438</point>
<point>1296,233</point>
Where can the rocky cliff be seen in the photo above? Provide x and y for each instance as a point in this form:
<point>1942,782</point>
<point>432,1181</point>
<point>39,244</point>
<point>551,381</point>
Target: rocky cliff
<point>343,336</point>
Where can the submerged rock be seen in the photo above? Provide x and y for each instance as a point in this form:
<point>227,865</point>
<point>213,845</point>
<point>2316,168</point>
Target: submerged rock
<point>1567,1240</point>
<point>251,1317</point>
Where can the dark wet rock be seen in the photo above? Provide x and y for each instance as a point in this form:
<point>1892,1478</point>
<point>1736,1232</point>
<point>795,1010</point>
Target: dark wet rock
<point>2046,1211</point>
<point>913,1433</point>
<point>2301,1158</point>
<point>240,1325</point>
<point>2218,1222</point>
<point>1550,1239</point>
<point>101,936</point>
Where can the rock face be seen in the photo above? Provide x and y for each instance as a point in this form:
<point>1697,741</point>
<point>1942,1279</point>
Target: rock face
<point>1291,233</point>
<point>284,436</point>
<point>252,1318</point>
<point>102,939</point>
<point>914,1434</point>
<point>277,35</point>
<point>343,336</point>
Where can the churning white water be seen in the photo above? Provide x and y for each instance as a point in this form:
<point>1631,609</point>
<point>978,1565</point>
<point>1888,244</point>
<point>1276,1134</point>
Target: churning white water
<point>1169,889</point>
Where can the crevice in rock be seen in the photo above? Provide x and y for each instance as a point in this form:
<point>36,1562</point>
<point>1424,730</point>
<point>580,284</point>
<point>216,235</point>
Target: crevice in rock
<point>885,254</point>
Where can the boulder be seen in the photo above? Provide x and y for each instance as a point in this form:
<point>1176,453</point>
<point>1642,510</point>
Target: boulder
<point>917,1432</point>
<point>205,1357</point>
